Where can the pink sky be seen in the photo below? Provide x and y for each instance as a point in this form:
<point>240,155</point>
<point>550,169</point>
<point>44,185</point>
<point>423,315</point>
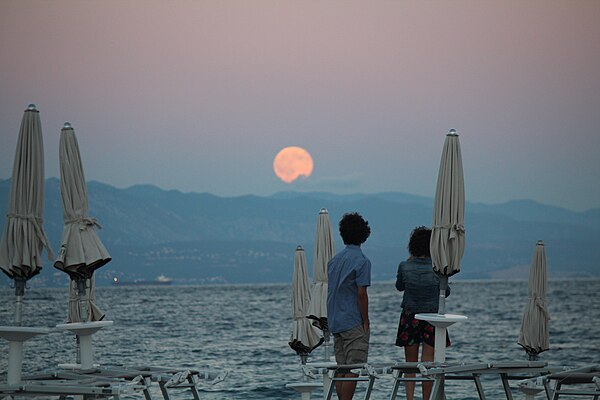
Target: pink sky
<point>201,95</point>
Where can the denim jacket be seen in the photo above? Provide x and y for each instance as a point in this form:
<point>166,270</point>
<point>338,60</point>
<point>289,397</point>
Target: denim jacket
<point>421,286</point>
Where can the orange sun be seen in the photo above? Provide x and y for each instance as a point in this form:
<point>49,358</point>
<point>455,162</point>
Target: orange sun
<point>291,163</point>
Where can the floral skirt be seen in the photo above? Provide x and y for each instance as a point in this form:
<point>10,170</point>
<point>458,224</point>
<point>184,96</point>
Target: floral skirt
<point>413,331</point>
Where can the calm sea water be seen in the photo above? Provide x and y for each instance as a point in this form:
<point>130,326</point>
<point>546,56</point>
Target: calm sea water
<point>245,329</point>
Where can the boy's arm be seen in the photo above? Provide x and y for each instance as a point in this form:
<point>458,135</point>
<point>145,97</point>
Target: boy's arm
<point>363,306</point>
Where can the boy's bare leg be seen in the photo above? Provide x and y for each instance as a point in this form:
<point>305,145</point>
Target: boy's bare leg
<point>345,389</point>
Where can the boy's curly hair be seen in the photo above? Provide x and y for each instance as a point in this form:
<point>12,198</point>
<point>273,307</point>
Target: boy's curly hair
<point>354,229</point>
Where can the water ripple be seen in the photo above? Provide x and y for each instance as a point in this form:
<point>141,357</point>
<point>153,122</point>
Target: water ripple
<point>245,329</point>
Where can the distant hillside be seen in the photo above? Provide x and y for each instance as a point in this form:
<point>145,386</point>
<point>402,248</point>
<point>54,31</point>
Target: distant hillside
<point>202,238</point>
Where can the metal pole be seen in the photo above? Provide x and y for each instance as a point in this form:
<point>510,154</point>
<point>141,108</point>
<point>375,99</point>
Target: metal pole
<point>81,290</point>
<point>80,357</point>
<point>440,339</point>
<point>326,379</point>
<point>19,293</point>
<point>303,360</point>
<point>327,336</point>
<point>442,301</point>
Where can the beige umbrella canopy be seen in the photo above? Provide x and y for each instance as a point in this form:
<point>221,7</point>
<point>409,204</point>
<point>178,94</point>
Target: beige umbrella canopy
<point>448,232</point>
<point>323,252</point>
<point>305,337</point>
<point>23,238</point>
<point>534,335</point>
<point>81,251</point>
<point>75,306</point>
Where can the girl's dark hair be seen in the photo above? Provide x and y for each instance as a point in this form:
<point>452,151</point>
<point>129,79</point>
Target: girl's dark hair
<point>418,245</point>
<point>354,229</point>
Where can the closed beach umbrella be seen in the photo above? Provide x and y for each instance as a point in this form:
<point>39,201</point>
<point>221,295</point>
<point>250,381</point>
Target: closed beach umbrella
<point>23,238</point>
<point>74,308</point>
<point>305,337</point>
<point>534,335</point>
<point>81,251</point>
<point>448,233</point>
<point>323,252</point>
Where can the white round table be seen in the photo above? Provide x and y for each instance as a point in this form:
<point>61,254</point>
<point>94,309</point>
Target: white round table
<point>16,336</point>
<point>84,331</point>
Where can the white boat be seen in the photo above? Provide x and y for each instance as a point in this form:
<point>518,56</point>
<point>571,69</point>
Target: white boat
<point>160,280</point>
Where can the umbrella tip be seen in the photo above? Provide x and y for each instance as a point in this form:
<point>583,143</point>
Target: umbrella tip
<point>540,243</point>
<point>452,132</point>
<point>323,211</point>
<point>31,107</point>
<point>67,125</point>
<point>299,248</point>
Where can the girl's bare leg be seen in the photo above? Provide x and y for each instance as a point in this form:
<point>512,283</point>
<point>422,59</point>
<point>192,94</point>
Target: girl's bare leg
<point>411,354</point>
<point>427,355</point>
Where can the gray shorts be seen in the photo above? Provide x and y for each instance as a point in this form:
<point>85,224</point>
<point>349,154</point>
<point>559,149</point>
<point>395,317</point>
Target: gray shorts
<point>351,346</point>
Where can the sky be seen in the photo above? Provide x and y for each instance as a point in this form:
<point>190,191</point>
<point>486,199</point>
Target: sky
<point>200,96</point>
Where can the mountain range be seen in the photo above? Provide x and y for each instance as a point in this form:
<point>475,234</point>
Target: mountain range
<point>202,238</point>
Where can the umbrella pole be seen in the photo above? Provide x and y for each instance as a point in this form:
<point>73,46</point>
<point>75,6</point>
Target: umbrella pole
<point>440,338</point>
<point>19,293</point>
<point>440,331</point>
<point>303,359</point>
<point>442,300</point>
<point>326,336</point>
<point>81,290</point>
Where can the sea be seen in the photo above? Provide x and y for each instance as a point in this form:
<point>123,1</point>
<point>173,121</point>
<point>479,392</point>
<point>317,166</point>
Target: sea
<point>245,330</point>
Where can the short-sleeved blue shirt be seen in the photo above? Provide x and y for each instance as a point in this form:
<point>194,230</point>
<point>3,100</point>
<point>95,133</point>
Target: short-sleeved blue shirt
<point>346,272</point>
